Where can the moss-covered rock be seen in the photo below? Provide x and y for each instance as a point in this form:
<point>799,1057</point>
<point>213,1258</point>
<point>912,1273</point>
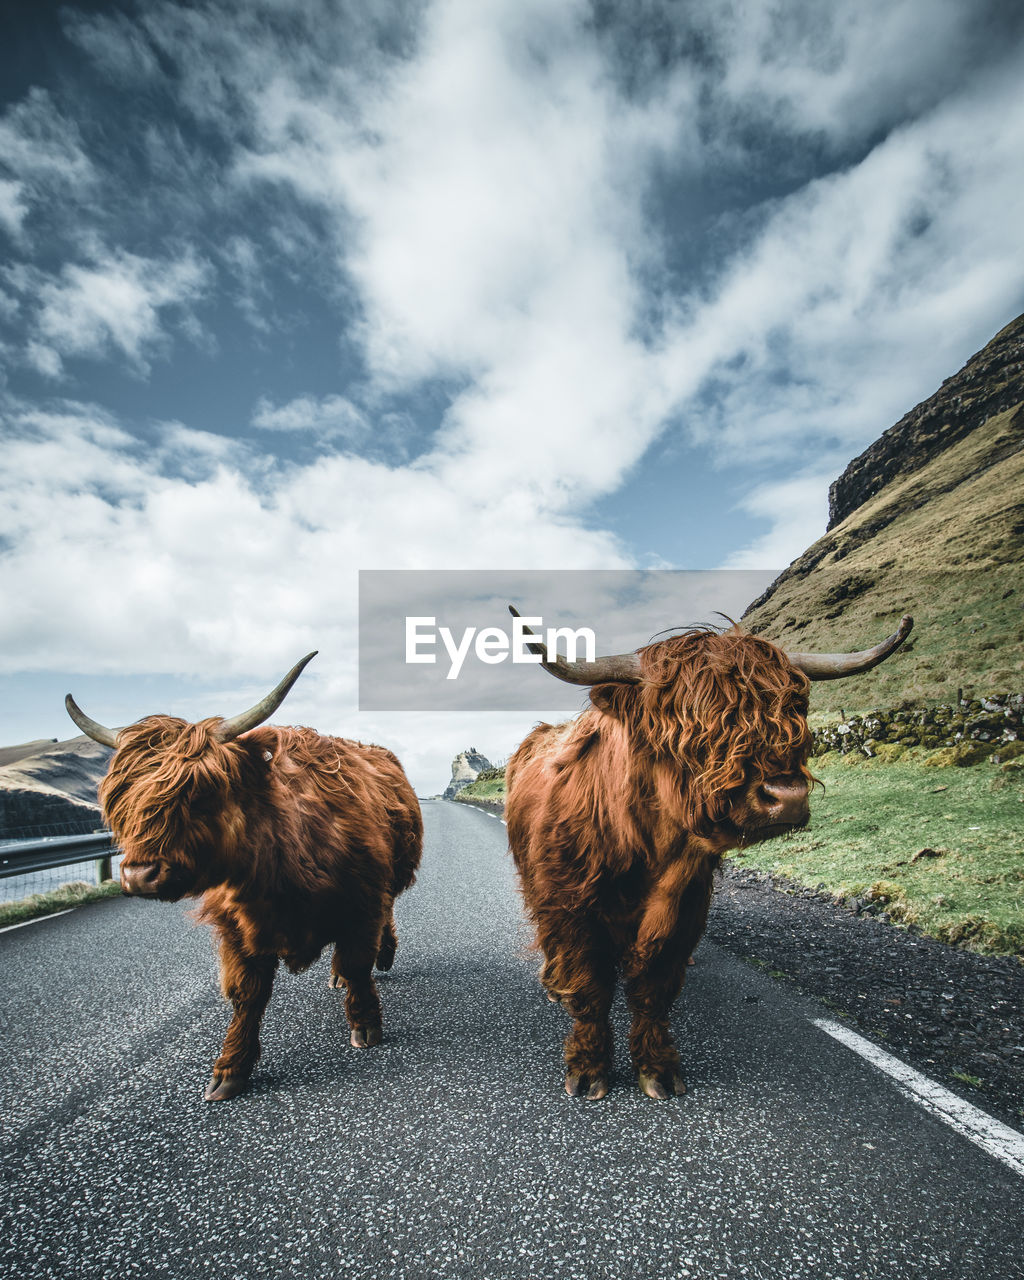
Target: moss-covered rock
<point>963,754</point>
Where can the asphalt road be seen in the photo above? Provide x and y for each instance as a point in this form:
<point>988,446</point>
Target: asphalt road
<point>451,1150</point>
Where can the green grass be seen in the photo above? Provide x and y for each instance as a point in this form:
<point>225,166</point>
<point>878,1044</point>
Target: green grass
<point>873,818</point>
<point>73,894</point>
<point>487,791</point>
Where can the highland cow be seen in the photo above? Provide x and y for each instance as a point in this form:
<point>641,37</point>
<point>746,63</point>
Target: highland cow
<point>617,820</point>
<point>293,841</point>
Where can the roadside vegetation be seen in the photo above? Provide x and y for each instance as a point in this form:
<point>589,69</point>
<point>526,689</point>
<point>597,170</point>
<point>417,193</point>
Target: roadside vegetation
<point>937,848</point>
<point>73,894</point>
<point>489,788</point>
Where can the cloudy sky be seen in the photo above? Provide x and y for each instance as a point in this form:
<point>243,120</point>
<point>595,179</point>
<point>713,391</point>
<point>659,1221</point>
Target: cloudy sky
<point>294,288</point>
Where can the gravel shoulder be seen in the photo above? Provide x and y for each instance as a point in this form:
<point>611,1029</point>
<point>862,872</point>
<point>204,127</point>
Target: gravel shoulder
<point>950,1013</point>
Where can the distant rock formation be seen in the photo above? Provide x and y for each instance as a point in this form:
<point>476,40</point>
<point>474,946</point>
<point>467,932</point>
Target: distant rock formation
<point>49,788</point>
<point>465,768</point>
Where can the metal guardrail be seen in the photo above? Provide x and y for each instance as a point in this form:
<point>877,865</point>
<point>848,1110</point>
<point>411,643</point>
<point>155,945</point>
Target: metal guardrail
<point>24,856</point>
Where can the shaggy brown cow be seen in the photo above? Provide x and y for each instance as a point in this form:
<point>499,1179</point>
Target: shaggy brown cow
<point>617,821</point>
<point>293,840</point>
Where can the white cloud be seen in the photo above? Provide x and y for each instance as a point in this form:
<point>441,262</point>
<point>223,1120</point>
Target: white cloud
<point>491,199</point>
<point>489,203</point>
<point>13,207</point>
<point>798,511</point>
<point>841,72</point>
<point>115,305</point>
<point>37,142</point>
<point>160,559</point>
<point>328,417</point>
<point>43,153</point>
<point>252,297</point>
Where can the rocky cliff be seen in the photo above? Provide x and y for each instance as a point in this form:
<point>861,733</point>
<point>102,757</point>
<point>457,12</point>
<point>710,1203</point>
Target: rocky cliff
<point>929,521</point>
<point>991,382</point>
<point>465,768</point>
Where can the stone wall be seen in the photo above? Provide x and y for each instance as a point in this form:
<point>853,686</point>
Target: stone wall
<point>974,727</point>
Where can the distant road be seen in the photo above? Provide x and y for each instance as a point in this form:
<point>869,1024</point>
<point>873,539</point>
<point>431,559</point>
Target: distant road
<point>451,1150</point>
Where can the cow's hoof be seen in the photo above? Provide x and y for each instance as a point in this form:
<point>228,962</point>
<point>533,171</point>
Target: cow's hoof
<point>589,1087</point>
<point>336,982</point>
<point>654,1086</point>
<point>385,959</point>
<point>365,1037</point>
<point>225,1088</point>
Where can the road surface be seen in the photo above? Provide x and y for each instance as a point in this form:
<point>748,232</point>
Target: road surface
<point>451,1150</point>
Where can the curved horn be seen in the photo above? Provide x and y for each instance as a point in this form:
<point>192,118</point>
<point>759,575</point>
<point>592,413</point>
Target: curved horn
<point>831,666</point>
<point>618,668</point>
<point>98,732</point>
<point>263,709</point>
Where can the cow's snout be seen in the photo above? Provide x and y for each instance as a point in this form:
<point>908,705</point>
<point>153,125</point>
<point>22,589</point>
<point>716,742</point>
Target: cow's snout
<point>141,879</point>
<point>785,802</point>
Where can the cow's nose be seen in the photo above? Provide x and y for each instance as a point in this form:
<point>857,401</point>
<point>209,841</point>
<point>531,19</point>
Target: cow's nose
<point>140,878</point>
<point>786,801</point>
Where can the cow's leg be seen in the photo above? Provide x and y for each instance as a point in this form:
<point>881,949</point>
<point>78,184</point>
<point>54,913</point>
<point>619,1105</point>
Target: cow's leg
<point>385,954</point>
<point>588,1046</point>
<point>388,941</point>
<point>579,973</point>
<point>353,968</point>
<point>651,995</point>
<point>247,982</point>
<point>652,991</point>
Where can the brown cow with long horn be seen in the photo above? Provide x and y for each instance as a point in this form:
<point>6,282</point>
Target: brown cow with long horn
<point>293,840</point>
<point>618,819</point>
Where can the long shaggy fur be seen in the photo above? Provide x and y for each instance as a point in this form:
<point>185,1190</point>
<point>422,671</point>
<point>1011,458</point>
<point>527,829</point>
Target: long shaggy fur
<point>294,841</point>
<point>618,819</point>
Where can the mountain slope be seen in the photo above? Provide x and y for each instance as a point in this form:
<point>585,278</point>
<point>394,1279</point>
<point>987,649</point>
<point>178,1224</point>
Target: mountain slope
<point>53,791</point>
<point>929,521</point>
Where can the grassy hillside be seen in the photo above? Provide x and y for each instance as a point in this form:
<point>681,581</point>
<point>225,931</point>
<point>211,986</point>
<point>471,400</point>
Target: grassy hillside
<point>51,790</point>
<point>945,544</point>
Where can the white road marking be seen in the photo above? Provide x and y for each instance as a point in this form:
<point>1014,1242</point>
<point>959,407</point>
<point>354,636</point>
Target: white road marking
<point>985,1131</point>
<point>38,920</point>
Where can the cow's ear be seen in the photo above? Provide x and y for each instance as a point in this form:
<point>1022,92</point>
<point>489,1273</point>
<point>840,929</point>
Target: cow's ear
<point>612,698</point>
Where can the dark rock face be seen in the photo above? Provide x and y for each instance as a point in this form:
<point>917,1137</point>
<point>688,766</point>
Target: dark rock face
<point>53,791</point>
<point>466,767</point>
<point>989,383</point>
